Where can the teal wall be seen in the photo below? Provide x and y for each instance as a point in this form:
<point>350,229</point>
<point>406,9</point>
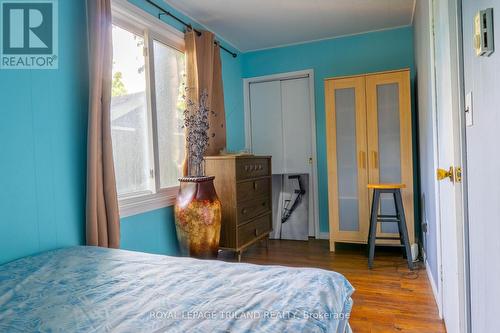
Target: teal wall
<point>43,128</point>
<point>43,131</point>
<point>152,232</point>
<point>370,52</point>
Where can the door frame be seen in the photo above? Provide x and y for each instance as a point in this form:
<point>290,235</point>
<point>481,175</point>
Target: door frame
<point>308,73</point>
<point>461,201</point>
<point>437,290</point>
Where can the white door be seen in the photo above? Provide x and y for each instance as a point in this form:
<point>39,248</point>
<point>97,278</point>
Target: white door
<point>266,122</point>
<point>448,146</point>
<point>296,125</point>
<point>297,135</point>
<point>281,124</point>
<point>279,118</point>
<point>483,162</point>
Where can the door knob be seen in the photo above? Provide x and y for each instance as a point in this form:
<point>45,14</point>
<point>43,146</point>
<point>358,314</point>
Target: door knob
<point>443,174</point>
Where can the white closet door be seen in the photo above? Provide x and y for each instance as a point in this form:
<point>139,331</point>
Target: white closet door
<point>266,122</point>
<point>295,106</point>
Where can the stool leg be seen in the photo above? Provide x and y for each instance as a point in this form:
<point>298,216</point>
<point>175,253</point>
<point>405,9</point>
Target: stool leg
<point>403,229</point>
<point>373,227</point>
<point>398,214</point>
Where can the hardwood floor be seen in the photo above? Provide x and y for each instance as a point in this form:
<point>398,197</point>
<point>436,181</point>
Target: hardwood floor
<point>388,298</point>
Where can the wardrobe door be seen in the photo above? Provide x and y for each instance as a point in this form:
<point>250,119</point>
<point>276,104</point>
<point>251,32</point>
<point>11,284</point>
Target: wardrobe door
<point>390,143</point>
<point>347,159</point>
<point>267,123</point>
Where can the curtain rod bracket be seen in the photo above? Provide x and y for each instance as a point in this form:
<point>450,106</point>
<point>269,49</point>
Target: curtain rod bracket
<point>187,25</point>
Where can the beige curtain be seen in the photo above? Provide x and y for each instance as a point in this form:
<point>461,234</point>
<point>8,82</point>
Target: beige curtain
<point>102,217</point>
<point>204,71</point>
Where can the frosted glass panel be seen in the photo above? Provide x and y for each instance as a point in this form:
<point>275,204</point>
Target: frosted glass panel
<point>389,146</point>
<point>345,106</point>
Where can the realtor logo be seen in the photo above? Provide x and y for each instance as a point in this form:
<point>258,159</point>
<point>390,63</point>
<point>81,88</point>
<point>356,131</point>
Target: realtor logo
<point>28,34</point>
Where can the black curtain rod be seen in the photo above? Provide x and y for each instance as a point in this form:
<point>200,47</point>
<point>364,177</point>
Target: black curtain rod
<point>188,25</point>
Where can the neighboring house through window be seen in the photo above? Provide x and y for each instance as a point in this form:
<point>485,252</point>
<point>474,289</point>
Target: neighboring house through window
<point>146,109</point>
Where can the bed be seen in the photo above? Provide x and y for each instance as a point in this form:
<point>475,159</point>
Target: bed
<point>89,289</point>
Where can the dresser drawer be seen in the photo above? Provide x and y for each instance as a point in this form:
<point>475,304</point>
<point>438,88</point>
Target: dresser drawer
<point>252,189</point>
<point>254,229</point>
<point>251,168</point>
<point>252,208</point>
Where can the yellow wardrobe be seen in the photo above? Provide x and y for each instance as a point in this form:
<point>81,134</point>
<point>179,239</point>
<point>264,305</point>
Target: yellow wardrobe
<point>369,140</point>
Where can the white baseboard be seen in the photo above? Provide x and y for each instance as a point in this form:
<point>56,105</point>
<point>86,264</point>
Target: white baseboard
<point>324,235</point>
<point>435,290</point>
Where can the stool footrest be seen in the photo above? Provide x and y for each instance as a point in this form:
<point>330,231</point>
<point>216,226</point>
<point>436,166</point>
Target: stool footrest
<point>388,238</point>
<point>387,220</point>
<point>388,216</point>
<point>391,245</point>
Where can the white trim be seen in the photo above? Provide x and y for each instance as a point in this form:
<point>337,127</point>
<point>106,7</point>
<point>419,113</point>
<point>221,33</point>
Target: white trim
<point>458,95</point>
<point>145,203</point>
<point>312,97</point>
<point>457,91</point>
<point>413,12</point>
<point>126,11</point>
<point>281,76</point>
<point>246,113</point>
<point>326,38</point>
<point>308,73</point>
<point>324,235</point>
<point>463,152</point>
<point>434,116</point>
<point>435,290</point>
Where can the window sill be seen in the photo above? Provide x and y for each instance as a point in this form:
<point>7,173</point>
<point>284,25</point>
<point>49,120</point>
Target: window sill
<point>146,203</point>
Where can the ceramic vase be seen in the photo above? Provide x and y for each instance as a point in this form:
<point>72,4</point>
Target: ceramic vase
<point>198,217</point>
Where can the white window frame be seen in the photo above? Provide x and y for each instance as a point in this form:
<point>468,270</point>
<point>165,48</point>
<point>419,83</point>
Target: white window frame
<point>137,21</point>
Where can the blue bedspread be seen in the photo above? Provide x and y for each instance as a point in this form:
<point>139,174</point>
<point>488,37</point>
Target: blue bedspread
<point>88,289</point>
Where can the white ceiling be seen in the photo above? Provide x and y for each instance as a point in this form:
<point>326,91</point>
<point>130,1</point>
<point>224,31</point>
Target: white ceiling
<point>258,24</point>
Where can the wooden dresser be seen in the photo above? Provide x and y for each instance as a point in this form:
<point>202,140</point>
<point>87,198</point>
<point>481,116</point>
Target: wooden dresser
<point>243,184</point>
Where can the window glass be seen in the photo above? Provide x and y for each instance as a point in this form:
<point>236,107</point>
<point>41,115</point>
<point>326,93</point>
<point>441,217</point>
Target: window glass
<point>129,115</point>
<point>169,75</point>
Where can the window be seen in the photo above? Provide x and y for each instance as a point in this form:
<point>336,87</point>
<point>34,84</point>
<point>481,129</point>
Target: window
<point>146,110</point>
<point>169,106</point>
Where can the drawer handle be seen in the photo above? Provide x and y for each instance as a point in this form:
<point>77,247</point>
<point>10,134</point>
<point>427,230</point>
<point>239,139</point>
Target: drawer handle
<point>256,232</point>
<point>255,185</point>
<point>244,211</point>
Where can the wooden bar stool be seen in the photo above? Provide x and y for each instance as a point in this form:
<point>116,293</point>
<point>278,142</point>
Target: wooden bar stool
<point>399,218</point>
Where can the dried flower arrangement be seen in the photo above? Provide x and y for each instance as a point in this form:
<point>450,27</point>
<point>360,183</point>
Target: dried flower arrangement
<point>198,216</point>
<point>197,125</point>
